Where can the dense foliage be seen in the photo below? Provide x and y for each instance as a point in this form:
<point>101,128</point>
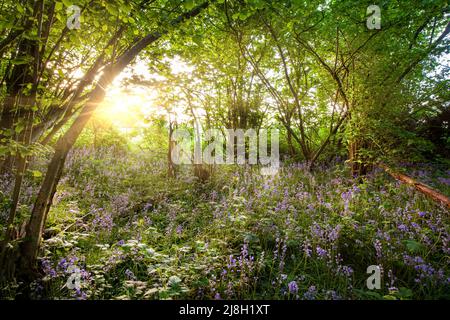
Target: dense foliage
<point>91,92</point>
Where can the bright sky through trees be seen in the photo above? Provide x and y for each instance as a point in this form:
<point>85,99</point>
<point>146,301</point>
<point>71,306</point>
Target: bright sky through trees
<point>129,106</point>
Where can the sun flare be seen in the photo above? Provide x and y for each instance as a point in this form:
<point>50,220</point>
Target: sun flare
<point>132,106</point>
<point>126,108</point>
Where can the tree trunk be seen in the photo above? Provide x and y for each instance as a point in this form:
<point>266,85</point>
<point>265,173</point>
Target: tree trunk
<point>423,188</point>
<point>359,165</point>
<point>170,164</point>
<point>291,149</point>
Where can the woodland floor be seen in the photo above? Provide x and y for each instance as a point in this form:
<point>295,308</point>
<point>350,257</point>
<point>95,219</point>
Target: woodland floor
<point>135,234</point>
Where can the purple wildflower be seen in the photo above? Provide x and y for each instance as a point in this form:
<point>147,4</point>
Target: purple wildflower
<point>311,293</point>
<point>293,287</point>
<point>321,252</point>
<point>130,275</point>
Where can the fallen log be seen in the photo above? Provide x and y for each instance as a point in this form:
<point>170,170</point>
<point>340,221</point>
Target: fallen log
<point>421,187</point>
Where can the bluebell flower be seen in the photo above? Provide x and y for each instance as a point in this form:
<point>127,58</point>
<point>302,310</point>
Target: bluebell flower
<point>293,287</point>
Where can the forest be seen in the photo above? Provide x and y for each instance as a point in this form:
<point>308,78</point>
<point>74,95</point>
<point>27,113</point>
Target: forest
<point>224,150</point>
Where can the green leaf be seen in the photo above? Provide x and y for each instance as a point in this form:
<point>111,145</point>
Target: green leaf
<point>365,294</point>
<point>413,246</point>
<point>20,8</point>
<point>36,173</point>
<point>19,61</point>
<point>112,10</point>
<point>174,281</point>
<point>189,5</point>
<point>19,127</point>
<point>67,3</point>
<point>244,15</point>
<point>58,6</point>
<point>404,293</point>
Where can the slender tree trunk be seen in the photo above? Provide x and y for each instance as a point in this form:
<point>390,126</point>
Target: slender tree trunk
<point>353,157</point>
<point>291,148</point>
<point>171,165</point>
<point>359,164</point>
<point>327,140</point>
